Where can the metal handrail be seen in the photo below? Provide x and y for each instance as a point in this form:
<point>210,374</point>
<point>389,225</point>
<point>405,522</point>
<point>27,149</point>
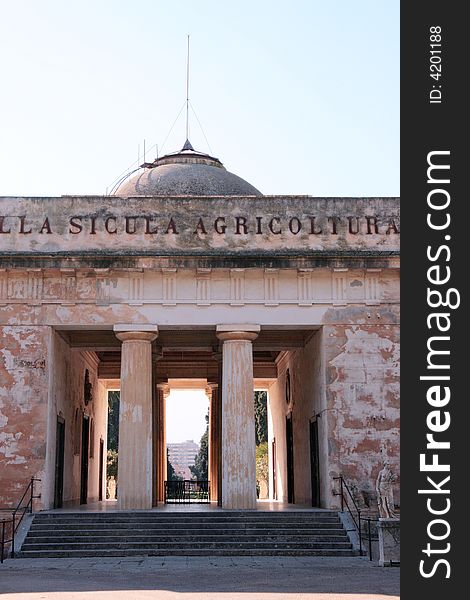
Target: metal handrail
<point>358,519</point>
<point>13,520</point>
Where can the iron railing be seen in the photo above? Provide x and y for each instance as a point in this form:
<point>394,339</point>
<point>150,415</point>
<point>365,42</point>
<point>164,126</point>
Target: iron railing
<point>187,492</point>
<point>9,527</point>
<point>358,520</point>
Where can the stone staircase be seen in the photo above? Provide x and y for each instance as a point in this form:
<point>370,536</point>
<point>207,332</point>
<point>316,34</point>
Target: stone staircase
<point>214,533</point>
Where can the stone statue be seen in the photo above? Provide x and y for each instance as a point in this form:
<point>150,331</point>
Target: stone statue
<point>111,488</point>
<point>384,488</point>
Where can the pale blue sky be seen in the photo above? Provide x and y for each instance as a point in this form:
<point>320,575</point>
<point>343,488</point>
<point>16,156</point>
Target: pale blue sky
<point>297,97</point>
<point>185,412</point>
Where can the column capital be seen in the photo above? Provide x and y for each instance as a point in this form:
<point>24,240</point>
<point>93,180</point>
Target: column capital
<point>140,332</point>
<point>246,331</point>
<point>164,388</point>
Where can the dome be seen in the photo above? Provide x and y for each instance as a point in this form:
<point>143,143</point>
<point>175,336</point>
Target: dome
<point>185,173</point>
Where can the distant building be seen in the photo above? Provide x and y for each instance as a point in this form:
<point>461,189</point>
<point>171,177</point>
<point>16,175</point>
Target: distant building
<point>182,456</point>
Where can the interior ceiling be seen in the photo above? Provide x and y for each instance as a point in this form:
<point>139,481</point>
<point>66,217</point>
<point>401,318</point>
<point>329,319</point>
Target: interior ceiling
<point>196,340</point>
<point>187,353</point>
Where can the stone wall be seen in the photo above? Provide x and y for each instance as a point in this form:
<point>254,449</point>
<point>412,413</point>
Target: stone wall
<point>216,227</point>
<point>67,401</point>
<point>362,376</point>
<point>42,378</point>
<point>307,400</point>
<point>25,368</point>
<point>347,377</point>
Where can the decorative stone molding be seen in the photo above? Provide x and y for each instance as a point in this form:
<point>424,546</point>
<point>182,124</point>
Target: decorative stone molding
<point>136,288</point>
<point>372,288</point>
<point>338,287</point>
<point>69,286</point>
<point>103,292</point>
<point>34,290</point>
<point>271,287</point>
<point>304,287</point>
<point>169,287</point>
<point>237,287</point>
<point>203,287</point>
<point>3,286</point>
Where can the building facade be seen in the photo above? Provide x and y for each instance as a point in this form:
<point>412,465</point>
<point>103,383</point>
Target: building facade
<point>188,276</point>
<point>182,456</point>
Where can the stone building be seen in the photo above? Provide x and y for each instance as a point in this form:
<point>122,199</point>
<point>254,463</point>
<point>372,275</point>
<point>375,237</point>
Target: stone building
<point>189,276</point>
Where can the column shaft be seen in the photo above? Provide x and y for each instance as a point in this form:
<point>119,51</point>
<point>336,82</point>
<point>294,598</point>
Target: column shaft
<point>238,420</point>
<point>135,421</point>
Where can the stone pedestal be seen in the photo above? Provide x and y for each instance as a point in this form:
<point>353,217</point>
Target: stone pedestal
<point>135,416</point>
<point>238,419</point>
<point>389,541</point>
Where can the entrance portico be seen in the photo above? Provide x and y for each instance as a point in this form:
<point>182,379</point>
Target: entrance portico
<point>237,423</point>
<point>311,317</point>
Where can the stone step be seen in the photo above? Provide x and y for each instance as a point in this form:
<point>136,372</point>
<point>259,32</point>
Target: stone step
<point>179,533</point>
<point>286,538</point>
<point>187,534</point>
<point>186,552</point>
<point>172,514</point>
<point>180,545</point>
<point>187,519</point>
<point>183,525</point>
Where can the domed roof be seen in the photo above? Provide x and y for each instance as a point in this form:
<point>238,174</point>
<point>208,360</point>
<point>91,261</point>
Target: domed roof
<point>186,172</point>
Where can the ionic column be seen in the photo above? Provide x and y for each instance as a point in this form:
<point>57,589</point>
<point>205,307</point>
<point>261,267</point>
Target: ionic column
<point>238,418</point>
<point>135,416</point>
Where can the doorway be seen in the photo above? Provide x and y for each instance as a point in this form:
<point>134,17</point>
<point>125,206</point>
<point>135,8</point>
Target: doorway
<point>314,463</point>
<point>290,458</point>
<point>59,463</point>
<point>84,461</point>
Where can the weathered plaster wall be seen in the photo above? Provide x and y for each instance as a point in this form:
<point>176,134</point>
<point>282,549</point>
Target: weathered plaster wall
<point>66,400</point>
<point>362,393</point>
<point>24,387</point>
<point>347,377</point>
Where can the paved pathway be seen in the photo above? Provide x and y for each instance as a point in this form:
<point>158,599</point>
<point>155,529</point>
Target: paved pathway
<point>195,578</point>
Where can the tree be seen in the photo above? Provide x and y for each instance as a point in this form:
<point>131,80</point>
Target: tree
<point>113,420</point>
<point>262,468</point>
<point>112,464</point>
<point>261,417</point>
<point>200,470</point>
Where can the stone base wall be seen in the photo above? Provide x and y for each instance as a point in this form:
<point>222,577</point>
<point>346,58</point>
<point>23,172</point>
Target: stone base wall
<point>24,390</point>
<point>362,388</point>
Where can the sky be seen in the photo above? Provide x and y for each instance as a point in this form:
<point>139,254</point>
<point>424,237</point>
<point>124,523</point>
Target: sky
<point>193,405</point>
<point>298,97</point>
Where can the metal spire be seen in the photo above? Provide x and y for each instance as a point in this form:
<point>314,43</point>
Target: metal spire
<point>187,94</point>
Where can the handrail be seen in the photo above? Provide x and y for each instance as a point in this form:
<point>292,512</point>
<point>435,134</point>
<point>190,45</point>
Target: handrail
<point>13,520</point>
<point>358,519</point>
